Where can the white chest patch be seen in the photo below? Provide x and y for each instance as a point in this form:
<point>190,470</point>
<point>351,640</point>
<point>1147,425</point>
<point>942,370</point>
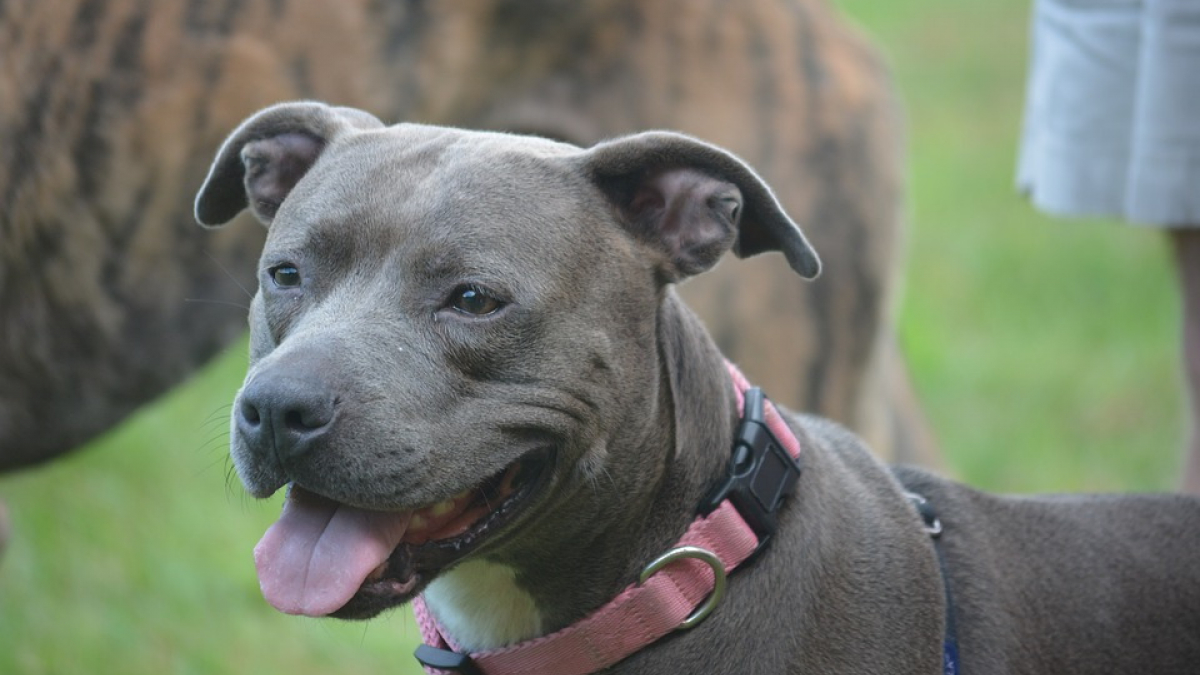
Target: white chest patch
<point>481,606</point>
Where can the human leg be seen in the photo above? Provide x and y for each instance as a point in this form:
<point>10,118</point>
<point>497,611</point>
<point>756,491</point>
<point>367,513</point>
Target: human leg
<point>1186,243</point>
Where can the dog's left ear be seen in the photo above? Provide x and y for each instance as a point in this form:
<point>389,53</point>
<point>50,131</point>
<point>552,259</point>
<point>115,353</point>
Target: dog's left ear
<point>694,201</point>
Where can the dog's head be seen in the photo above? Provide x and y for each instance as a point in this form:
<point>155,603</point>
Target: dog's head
<point>453,329</point>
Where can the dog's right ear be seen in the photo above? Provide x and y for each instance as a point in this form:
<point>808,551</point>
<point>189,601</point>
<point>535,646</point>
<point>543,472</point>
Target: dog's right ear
<point>264,158</point>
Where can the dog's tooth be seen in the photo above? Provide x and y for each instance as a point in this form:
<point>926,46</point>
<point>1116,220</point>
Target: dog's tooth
<point>442,508</point>
<point>417,522</point>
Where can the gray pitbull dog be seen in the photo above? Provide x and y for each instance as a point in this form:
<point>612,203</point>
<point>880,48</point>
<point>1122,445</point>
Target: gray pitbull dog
<point>471,368</point>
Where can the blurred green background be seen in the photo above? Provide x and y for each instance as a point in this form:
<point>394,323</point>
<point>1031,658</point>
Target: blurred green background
<point>1045,353</point>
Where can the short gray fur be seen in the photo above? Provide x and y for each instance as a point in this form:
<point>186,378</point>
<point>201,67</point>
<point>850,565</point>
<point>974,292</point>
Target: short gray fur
<point>595,356</point>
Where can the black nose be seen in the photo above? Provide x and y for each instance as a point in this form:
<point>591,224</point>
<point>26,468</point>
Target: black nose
<point>284,415</point>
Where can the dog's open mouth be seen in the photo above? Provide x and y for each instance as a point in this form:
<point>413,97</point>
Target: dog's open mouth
<point>323,558</point>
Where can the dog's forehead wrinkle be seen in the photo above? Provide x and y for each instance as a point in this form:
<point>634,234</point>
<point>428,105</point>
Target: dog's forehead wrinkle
<point>443,151</point>
<point>468,190</point>
<point>517,243</point>
<point>315,216</point>
<point>471,143</point>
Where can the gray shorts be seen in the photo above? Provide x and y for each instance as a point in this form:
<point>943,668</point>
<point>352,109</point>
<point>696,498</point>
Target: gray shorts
<point>1112,111</point>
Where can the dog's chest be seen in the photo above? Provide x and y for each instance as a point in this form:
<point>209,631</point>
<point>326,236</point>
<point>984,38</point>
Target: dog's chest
<point>480,605</point>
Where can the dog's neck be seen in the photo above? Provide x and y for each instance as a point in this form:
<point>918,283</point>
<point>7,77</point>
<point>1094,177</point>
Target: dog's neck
<point>491,603</point>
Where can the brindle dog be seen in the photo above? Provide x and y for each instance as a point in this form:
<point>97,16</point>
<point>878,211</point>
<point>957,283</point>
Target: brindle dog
<point>110,109</point>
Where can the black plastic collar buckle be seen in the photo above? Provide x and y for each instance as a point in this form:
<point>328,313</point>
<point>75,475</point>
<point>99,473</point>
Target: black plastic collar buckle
<point>443,659</point>
<point>761,473</point>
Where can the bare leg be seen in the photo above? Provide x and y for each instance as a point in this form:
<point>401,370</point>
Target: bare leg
<point>1187,257</point>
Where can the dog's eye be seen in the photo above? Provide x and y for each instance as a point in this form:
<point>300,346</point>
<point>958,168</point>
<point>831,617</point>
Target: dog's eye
<point>474,301</point>
<point>285,275</point>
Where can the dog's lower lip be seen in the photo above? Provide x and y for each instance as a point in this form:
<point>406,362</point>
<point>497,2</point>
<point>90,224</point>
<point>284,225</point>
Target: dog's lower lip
<point>412,565</point>
<point>494,500</point>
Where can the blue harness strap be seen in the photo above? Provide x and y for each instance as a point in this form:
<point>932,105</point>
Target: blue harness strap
<point>933,525</point>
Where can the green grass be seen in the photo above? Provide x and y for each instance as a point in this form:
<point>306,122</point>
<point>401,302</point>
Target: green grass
<point>134,556</point>
<point>1044,351</point>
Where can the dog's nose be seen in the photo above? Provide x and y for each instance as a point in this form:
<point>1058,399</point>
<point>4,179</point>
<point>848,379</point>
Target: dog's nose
<point>285,414</point>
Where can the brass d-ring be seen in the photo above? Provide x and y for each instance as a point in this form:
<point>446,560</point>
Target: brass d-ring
<point>698,553</point>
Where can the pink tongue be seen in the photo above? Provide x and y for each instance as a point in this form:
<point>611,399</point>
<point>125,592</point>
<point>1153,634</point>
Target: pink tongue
<point>319,552</point>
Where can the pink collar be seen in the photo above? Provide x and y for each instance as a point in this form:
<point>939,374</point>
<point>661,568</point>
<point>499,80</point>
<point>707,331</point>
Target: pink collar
<point>665,600</point>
